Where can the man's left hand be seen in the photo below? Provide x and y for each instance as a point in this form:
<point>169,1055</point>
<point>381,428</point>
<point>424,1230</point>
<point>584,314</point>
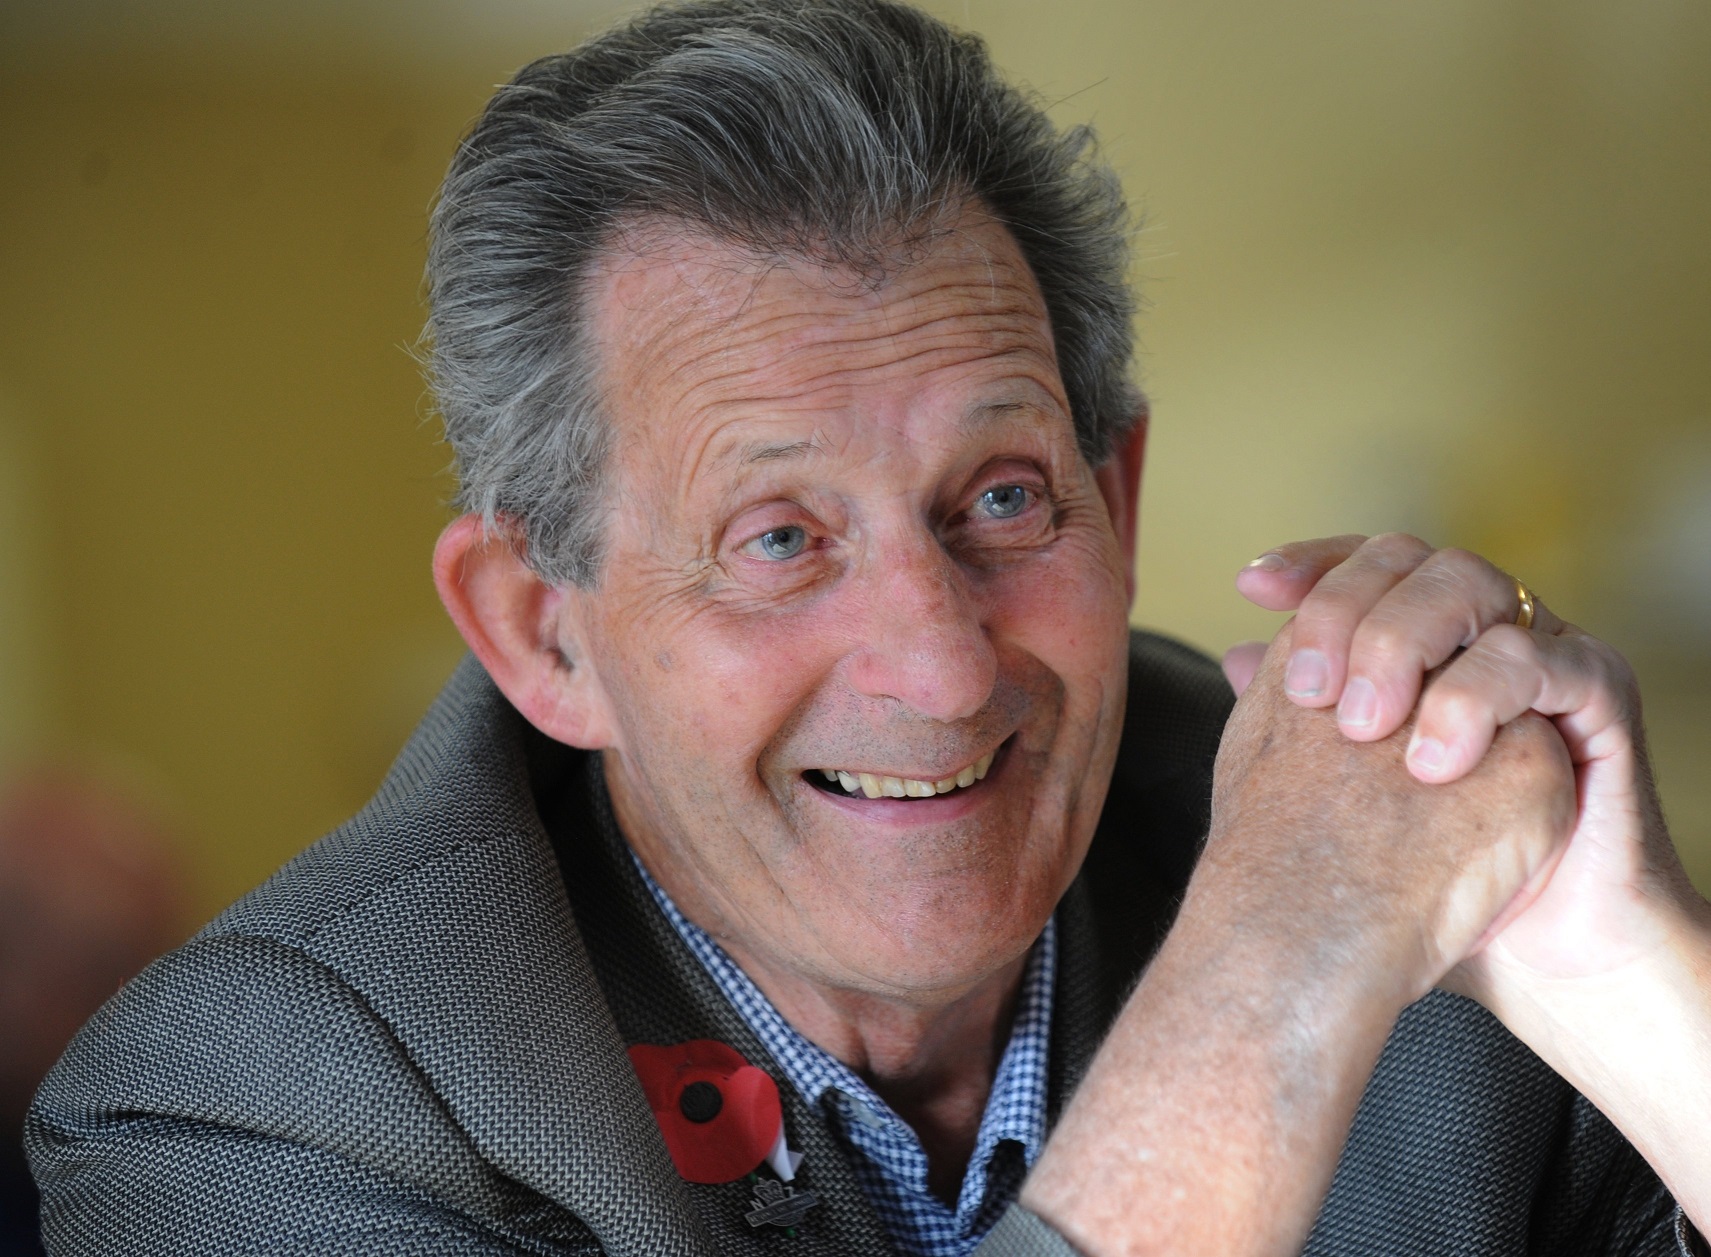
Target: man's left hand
<point>1374,616</point>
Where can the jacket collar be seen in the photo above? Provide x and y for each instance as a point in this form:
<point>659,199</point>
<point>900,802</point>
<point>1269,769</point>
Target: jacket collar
<point>469,952</point>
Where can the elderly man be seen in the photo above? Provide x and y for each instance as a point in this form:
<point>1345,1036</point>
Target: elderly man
<point>776,880</point>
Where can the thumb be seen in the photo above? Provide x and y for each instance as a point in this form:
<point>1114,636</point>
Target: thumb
<point>1241,661</point>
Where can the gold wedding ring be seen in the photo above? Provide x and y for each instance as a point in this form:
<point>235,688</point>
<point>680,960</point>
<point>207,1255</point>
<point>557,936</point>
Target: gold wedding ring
<point>1523,615</point>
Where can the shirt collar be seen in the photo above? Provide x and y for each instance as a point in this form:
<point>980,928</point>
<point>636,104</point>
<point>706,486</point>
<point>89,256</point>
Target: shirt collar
<point>1016,1108</point>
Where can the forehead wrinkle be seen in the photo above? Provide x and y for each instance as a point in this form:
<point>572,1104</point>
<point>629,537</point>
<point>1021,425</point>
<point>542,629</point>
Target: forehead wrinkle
<point>709,339</point>
<point>711,298</point>
<point>747,451</point>
<point>710,270</point>
<point>816,388</point>
<point>793,327</point>
<point>793,334</point>
<point>815,363</point>
<point>705,291</point>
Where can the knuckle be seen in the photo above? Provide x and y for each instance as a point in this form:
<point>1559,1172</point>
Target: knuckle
<point>1453,703</point>
<point>1612,675</point>
<point>1398,549</point>
<point>1439,583</point>
<point>1323,610</point>
<point>1383,639</point>
<point>1509,644</point>
<point>1612,662</point>
<point>1463,567</point>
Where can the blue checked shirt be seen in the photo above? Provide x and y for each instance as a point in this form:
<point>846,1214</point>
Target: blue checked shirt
<point>888,1159</point>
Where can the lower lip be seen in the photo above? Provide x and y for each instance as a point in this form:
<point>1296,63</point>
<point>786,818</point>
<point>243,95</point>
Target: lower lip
<point>941,808</point>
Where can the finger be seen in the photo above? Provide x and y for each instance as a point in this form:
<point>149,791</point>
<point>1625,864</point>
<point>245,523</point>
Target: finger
<point>1443,605</point>
<point>1326,621</point>
<point>1241,661</point>
<point>1280,578</point>
<point>1508,671</point>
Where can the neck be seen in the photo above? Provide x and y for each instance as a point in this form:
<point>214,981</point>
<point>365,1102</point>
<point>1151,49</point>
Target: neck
<point>931,1053</point>
<point>932,1060</point>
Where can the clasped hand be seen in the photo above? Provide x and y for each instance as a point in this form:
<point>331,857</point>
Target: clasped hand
<point>1413,791</point>
<point>1547,857</point>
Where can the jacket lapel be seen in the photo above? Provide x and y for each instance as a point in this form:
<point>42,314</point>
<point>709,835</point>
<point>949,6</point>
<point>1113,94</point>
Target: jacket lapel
<point>472,957</point>
<point>659,993</point>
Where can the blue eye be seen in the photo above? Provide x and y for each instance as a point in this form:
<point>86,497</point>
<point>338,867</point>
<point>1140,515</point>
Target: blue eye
<point>783,543</point>
<point>1004,502</point>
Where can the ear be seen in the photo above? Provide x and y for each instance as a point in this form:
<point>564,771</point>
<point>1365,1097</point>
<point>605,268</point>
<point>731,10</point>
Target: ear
<point>528,634</point>
<point>1119,478</point>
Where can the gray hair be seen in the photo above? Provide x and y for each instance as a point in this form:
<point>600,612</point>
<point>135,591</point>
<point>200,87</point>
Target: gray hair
<point>833,129</point>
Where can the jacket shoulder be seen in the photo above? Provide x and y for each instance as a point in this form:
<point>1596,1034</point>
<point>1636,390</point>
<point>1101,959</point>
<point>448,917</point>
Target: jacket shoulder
<point>1178,703</point>
<point>300,1043</point>
<point>1149,836</point>
<point>230,1076</point>
<point>1160,802</point>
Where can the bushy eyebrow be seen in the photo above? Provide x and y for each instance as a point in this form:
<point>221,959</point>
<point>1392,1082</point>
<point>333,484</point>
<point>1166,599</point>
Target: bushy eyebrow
<point>979,415</point>
<point>756,452</point>
<point>769,451</point>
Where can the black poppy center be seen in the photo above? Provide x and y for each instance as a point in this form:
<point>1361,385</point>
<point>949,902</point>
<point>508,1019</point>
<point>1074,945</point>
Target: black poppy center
<point>700,1102</point>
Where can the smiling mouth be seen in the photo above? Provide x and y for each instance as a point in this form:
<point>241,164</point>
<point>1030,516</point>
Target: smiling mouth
<point>876,786</point>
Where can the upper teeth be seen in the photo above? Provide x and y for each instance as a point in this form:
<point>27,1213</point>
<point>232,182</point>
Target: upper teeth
<point>874,786</point>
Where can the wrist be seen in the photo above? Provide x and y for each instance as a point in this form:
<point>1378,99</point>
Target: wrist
<point>1245,1048</point>
<point>1308,922</point>
<point>1633,1038</point>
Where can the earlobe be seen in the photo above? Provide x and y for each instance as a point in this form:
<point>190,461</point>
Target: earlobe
<point>1119,479</point>
<point>525,632</point>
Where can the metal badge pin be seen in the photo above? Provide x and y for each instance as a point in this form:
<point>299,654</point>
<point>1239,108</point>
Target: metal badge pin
<point>778,1204</point>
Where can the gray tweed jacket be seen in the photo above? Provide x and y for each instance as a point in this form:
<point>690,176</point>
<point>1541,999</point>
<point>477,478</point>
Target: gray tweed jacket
<point>411,1041</point>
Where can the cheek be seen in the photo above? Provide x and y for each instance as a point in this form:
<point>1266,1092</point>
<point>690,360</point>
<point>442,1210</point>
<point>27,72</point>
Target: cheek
<point>1068,606</point>
<point>724,685</point>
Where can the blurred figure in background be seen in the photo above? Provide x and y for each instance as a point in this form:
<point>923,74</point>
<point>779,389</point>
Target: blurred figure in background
<point>91,890</point>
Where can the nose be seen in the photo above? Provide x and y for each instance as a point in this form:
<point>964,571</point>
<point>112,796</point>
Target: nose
<point>924,640</point>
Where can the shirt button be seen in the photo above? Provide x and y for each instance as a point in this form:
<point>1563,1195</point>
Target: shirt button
<point>866,1116</point>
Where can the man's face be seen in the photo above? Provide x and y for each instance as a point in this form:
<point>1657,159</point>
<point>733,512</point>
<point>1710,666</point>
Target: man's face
<point>851,533</point>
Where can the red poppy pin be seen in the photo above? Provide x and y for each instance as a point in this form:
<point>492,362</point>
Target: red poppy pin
<point>719,1114</point>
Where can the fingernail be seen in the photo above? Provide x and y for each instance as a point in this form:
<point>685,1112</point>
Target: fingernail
<point>1359,704</point>
<point>1270,563</point>
<point>1308,674</point>
<point>1427,754</point>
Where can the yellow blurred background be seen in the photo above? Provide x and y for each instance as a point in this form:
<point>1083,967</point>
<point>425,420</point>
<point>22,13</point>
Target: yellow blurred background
<point>1443,267</point>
